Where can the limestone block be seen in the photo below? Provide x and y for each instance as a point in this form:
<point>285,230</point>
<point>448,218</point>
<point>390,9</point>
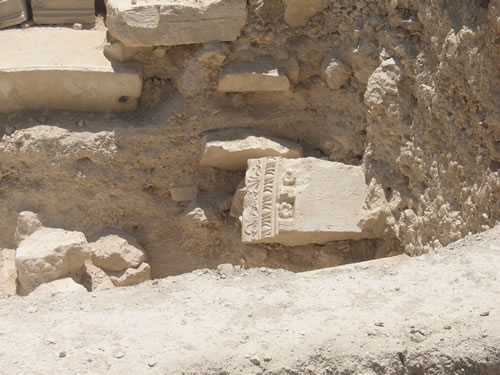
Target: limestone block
<point>8,272</point>
<point>298,12</point>
<point>49,254</point>
<point>115,253</point>
<point>335,72</point>
<point>27,223</point>
<point>61,286</point>
<point>64,69</point>
<point>302,201</point>
<point>248,77</point>
<point>184,193</point>
<point>131,276</point>
<point>201,213</point>
<point>95,279</point>
<point>12,12</point>
<point>63,11</point>
<point>172,22</point>
<point>231,149</point>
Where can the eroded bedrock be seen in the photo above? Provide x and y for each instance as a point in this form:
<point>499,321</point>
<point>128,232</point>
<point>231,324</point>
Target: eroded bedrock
<point>63,11</point>
<point>12,12</point>
<point>60,68</point>
<point>144,23</point>
<point>231,149</point>
<point>303,201</point>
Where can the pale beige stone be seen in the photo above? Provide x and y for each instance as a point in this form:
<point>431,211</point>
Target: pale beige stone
<point>61,286</point>
<point>116,253</point>
<point>49,254</point>
<point>8,272</point>
<point>298,12</point>
<point>231,149</point>
<point>302,201</point>
<point>335,72</point>
<point>174,22</point>
<point>201,213</point>
<point>95,279</point>
<point>131,276</point>
<point>264,75</point>
<point>63,69</point>
<point>27,223</point>
<point>12,12</point>
<point>184,193</point>
<point>237,202</point>
<point>63,11</point>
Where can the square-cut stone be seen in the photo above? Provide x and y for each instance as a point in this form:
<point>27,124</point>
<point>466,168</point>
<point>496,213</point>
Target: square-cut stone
<point>63,11</point>
<point>146,23</point>
<point>12,12</point>
<point>61,68</point>
<point>302,201</point>
<point>264,75</point>
<point>230,149</point>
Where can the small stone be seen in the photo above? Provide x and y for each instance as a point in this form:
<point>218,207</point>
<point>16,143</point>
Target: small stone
<point>447,327</point>
<point>255,360</point>
<point>119,355</point>
<point>62,354</point>
<point>379,324</point>
<point>50,341</point>
<point>268,358</point>
<point>226,269</point>
<point>152,363</point>
<point>485,313</point>
<point>77,26</point>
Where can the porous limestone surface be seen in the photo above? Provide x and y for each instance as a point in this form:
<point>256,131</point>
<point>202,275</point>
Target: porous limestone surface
<point>435,314</point>
<point>231,149</point>
<point>298,12</point>
<point>12,12</point>
<point>65,286</point>
<point>171,22</point>
<point>116,253</point>
<point>61,68</point>
<point>131,276</point>
<point>49,254</point>
<point>63,11</point>
<point>302,201</point>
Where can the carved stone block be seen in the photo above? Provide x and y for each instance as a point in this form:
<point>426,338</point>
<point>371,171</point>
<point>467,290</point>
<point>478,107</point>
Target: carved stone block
<point>12,12</point>
<point>63,11</point>
<point>302,201</point>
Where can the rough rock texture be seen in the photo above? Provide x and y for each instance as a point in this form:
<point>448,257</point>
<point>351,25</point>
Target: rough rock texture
<point>12,12</point>
<point>63,286</point>
<point>36,58</point>
<point>115,253</point>
<point>8,272</point>
<point>27,223</point>
<point>436,314</point>
<point>427,135</point>
<point>168,22</point>
<point>302,201</point>
<point>95,279</point>
<point>49,254</point>
<point>231,149</point>
<point>131,276</point>
<point>298,12</point>
<point>63,11</point>
<point>335,72</point>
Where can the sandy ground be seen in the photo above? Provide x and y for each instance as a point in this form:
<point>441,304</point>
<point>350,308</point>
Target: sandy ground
<point>436,314</point>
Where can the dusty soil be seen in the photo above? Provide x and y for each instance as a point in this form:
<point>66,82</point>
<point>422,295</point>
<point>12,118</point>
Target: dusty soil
<point>435,314</point>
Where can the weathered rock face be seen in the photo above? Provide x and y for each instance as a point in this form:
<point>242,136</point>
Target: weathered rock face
<point>169,23</point>
<point>184,193</point>
<point>49,254</point>
<point>302,201</point>
<point>34,59</point>
<point>12,12</point>
<point>114,253</point>
<point>231,149</point>
<point>27,223</point>
<point>95,279</point>
<point>131,276</point>
<point>63,11</point>
<point>8,272</point>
